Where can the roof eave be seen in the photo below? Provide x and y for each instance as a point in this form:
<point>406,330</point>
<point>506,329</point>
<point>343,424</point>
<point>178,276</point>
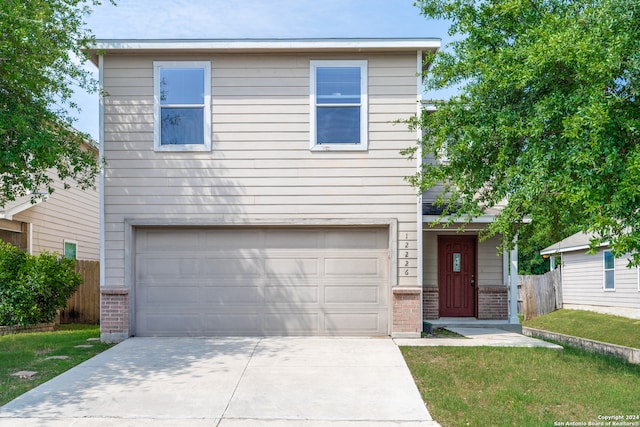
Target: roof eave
<point>230,45</point>
<point>553,251</point>
<point>20,205</point>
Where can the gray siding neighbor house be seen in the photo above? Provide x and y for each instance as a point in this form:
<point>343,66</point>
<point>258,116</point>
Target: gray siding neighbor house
<point>255,187</point>
<point>597,282</point>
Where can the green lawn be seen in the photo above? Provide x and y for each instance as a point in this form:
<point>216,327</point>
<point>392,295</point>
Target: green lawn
<point>28,352</point>
<point>486,386</point>
<point>586,324</point>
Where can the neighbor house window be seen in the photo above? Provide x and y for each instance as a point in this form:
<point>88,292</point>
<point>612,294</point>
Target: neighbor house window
<point>609,271</point>
<point>70,250</point>
<point>182,106</point>
<point>338,105</point>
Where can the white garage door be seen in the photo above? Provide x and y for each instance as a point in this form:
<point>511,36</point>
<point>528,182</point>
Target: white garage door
<point>261,281</point>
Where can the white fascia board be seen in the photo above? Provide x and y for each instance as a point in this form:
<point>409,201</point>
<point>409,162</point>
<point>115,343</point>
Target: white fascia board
<point>567,249</point>
<point>570,249</point>
<point>285,44</point>
<point>485,219</point>
<point>20,207</point>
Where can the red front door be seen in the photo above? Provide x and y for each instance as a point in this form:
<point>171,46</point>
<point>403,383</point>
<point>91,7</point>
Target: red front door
<point>456,276</point>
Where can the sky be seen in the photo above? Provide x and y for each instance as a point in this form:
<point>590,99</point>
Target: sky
<point>240,19</point>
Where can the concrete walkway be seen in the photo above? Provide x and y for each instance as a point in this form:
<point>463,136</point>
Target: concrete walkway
<point>229,382</point>
<point>475,337</point>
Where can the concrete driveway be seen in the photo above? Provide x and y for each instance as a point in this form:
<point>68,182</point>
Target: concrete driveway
<point>226,382</point>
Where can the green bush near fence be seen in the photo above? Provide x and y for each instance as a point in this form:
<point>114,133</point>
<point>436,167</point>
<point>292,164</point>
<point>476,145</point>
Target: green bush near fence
<point>33,288</point>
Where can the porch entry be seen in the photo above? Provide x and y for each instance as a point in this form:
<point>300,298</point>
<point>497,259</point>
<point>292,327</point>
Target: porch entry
<point>457,276</point>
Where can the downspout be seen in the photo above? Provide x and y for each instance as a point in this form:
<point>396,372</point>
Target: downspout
<point>419,278</point>
<point>101,160</point>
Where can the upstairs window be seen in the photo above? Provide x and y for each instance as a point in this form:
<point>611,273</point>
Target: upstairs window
<point>182,106</point>
<point>609,271</point>
<point>338,105</point>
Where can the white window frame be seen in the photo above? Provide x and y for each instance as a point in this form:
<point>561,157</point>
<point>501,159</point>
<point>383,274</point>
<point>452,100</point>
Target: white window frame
<point>604,272</point>
<point>157,116</point>
<point>64,248</point>
<point>364,105</point>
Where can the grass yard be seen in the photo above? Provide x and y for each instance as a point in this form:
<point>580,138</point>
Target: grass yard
<point>486,386</point>
<point>586,324</point>
<point>29,351</point>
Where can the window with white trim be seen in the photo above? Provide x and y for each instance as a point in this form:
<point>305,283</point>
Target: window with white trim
<point>182,105</point>
<point>338,105</point>
<point>609,270</point>
<point>70,249</point>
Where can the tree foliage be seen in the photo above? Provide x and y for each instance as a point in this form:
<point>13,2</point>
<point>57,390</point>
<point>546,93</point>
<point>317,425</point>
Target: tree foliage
<point>547,117</point>
<point>41,59</point>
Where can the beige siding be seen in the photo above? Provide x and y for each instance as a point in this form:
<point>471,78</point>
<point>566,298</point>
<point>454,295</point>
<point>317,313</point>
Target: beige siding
<point>68,214</point>
<point>489,262</point>
<point>429,259</point>
<point>583,277</point>
<point>260,166</point>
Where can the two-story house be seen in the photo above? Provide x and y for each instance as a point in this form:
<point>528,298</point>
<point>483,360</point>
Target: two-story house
<point>256,187</point>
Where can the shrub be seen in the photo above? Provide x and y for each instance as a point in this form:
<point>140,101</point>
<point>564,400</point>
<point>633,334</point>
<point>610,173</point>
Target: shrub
<point>33,288</point>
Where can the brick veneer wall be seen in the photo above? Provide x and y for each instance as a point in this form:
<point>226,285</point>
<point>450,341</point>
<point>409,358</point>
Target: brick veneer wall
<point>407,316</point>
<point>430,303</point>
<point>114,315</point>
<point>493,303</point>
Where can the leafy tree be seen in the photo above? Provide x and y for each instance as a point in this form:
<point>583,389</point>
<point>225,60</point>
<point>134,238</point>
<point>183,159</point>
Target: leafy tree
<point>41,58</point>
<point>547,117</point>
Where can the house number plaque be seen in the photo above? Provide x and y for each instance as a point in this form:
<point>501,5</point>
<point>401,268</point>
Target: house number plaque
<point>456,262</point>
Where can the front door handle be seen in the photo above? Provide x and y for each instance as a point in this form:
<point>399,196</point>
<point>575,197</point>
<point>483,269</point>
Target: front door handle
<point>473,281</point>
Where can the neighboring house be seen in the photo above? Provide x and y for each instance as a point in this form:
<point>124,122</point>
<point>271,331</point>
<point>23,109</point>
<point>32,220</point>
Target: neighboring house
<point>596,282</point>
<point>66,221</point>
<point>255,187</point>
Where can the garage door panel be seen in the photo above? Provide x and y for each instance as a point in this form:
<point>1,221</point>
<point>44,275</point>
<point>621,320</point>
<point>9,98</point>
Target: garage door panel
<point>231,324</point>
<point>230,239</point>
<point>240,266</point>
<point>285,294</point>
<point>176,324</point>
<point>289,239</point>
<point>152,295</point>
<point>294,266</point>
<point>365,238</point>
<point>156,240</point>
<point>351,294</point>
<point>351,266</point>
<point>355,323</point>
<point>291,323</point>
<point>153,266</point>
<point>231,295</point>
<point>304,281</point>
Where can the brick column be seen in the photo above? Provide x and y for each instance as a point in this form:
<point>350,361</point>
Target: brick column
<point>493,303</point>
<point>114,315</point>
<point>407,316</point>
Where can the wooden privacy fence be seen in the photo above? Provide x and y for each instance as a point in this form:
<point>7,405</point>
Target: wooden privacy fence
<point>84,305</point>
<point>538,295</point>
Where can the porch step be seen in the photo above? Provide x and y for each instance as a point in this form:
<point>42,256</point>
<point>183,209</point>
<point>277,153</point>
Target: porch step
<point>470,322</point>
